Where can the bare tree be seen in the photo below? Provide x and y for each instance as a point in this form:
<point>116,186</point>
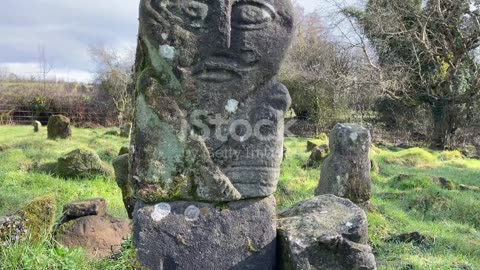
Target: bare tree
<point>3,73</point>
<point>427,49</point>
<point>44,65</point>
<point>328,82</point>
<point>114,76</point>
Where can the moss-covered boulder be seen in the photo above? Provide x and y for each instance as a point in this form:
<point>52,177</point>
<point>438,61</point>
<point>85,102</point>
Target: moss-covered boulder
<point>82,163</point>
<point>40,216</point>
<point>124,151</point>
<point>113,133</point>
<point>322,139</point>
<point>58,127</point>
<point>34,221</point>
<point>318,155</point>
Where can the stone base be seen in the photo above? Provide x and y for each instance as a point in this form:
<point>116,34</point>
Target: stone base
<point>192,235</point>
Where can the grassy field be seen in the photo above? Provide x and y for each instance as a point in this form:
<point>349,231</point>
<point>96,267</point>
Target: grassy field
<point>406,198</point>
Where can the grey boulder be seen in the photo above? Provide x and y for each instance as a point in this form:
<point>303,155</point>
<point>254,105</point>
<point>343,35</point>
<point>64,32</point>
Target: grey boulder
<point>326,232</point>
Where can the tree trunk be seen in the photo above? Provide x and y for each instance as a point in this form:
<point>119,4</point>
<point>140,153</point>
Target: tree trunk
<point>443,124</point>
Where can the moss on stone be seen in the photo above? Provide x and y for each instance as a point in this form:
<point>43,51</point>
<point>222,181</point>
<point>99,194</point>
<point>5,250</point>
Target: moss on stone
<point>58,126</point>
<point>40,217</point>
<point>82,163</point>
<point>249,246</point>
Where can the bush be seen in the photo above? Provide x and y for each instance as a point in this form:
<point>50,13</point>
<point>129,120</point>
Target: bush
<point>450,155</point>
<point>414,157</point>
<point>405,181</point>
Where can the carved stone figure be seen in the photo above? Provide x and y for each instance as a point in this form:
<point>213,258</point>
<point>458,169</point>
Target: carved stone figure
<point>207,140</point>
<point>209,111</point>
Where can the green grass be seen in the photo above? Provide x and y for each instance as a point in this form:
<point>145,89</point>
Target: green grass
<point>406,198</point>
<point>24,151</point>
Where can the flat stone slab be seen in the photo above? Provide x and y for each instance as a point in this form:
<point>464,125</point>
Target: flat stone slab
<point>83,208</point>
<point>190,235</point>
<point>326,232</point>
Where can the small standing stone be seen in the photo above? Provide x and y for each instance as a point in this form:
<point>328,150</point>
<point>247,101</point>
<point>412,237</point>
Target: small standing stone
<point>37,126</point>
<point>120,166</point>
<point>346,172</point>
<point>125,130</point>
<point>59,127</point>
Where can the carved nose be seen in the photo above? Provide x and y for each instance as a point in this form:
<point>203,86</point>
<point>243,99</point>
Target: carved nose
<point>225,23</point>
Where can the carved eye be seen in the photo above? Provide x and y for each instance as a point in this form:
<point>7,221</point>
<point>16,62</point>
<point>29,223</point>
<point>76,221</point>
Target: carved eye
<point>250,16</point>
<point>196,10</point>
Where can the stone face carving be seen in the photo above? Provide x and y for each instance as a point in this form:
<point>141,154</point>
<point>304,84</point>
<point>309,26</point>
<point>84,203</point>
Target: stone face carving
<point>209,111</point>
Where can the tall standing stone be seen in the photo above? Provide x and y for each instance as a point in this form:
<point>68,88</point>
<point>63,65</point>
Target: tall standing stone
<point>208,128</point>
<point>346,172</point>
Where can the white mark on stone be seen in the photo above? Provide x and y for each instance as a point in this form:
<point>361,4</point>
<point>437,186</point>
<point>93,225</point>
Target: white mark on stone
<point>266,14</point>
<point>164,36</point>
<point>136,178</point>
<point>161,211</point>
<point>354,136</point>
<point>167,51</point>
<point>192,213</point>
<point>299,246</point>
<point>323,212</point>
<point>132,149</point>
<point>232,106</point>
<point>348,224</point>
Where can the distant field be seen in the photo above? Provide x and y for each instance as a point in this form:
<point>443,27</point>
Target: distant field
<point>450,219</point>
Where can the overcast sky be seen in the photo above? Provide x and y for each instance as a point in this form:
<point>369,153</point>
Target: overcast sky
<point>66,28</point>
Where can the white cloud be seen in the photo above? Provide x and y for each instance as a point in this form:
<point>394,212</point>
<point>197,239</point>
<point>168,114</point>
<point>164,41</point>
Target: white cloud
<point>32,70</point>
<point>67,28</point>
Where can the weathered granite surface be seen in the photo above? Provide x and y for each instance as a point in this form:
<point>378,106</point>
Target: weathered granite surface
<point>324,233</point>
<point>190,235</point>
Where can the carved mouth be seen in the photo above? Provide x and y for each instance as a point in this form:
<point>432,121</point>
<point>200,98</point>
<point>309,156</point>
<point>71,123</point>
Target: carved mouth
<point>221,70</point>
<point>217,75</point>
